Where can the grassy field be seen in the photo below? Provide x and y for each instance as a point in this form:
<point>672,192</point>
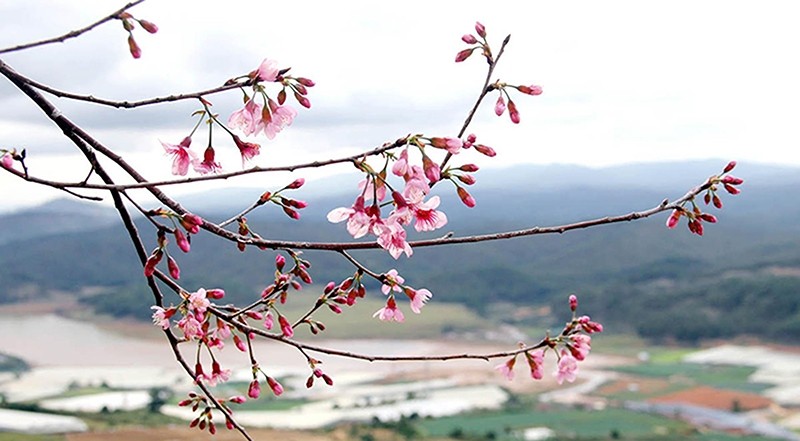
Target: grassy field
<point>691,374</point>
<point>435,320</point>
<point>504,425</point>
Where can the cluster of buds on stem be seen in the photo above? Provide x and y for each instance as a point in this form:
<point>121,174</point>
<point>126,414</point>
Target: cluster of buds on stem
<point>694,214</point>
<point>129,23</point>
<point>204,420</point>
<point>475,43</point>
<point>570,346</point>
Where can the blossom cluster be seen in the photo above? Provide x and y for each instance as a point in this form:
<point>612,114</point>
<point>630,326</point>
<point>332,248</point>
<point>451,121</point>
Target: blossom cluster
<point>571,346</point>
<point>409,205</point>
<point>261,114</point>
<point>500,106</point>
<point>695,215</point>
<point>129,24</point>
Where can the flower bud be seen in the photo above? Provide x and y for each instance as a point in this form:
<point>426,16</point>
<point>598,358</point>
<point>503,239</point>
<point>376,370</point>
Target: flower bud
<point>485,150</point>
<point>302,100</point>
<point>276,387</point>
<point>466,179</point>
<point>716,201</point>
<point>673,218</point>
<point>136,51</point>
<point>729,167</point>
<point>182,241</point>
<point>530,90</point>
<point>254,391</point>
<point>174,270</point>
<point>297,183</point>
<point>463,55</point>
<point>152,261</point>
<point>291,213</point>
<point>732,180</point>
<point>500,105</point>
<point>480,29</point>
<point>512,112</point>
<point>465,197</point>
<point>280,261</point>
<point>470,168</point>
<point>573,302</point>
<point>148,26</point>
<point>305,82</point>
<point>469,39</point>
<point>731,189</point>
<point>281,97</point>
<point>286,327</point>
<point>215,293</point>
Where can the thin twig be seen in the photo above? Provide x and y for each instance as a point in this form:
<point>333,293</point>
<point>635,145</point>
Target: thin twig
<point>72,34</point>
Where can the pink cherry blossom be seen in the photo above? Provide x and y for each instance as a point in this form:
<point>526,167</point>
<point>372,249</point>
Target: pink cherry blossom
<point>268,70</point>
<point>198,301</point>
<point>392,238</point>
<point>427,217</point>
<point>359,223</point>
<point>418,298</point>
<point>535,362</point>
<point>390,312</point>
<point>161,316</point>
<point>247,119</point>
<point>579,346</point>
<point>507,368</point>
<point>207,165</point>
<point>282,116</point>
<point>182,155</point>
<point>567,368</point>
<point>392,282</point>
<point>218,375</point>
<point>400,166</point>
<point>248,150</point>
<point>191,327</point>
<point>369,191</point>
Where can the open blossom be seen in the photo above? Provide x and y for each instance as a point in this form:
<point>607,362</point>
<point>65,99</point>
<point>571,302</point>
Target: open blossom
<point>392,283</point>
<point>247,119</point>
<point>248,150</point>
<point>207,165</point>
<point>198,301</point>
<point>191,327</point>
<point>390,312</point>
<point>418,298</point>
<point>217,375</point>
<point>507,368</point>
<point>359,223</point>
<point>267,70</point>
<point>182,155</point>
<point>392,238</point>
<point>161,316</point>
<point>427,217</point>
<point>282,116</point>
<point>567,368</point>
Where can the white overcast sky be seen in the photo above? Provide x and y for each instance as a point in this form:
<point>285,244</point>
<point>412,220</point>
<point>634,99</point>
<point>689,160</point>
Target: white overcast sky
<point>624,81</point>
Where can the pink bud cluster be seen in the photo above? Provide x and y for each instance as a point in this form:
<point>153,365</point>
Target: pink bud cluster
<point>128,23</point>
<point>571,346</point>
<point>478,42</point>
<point>695,215</point>
<point>7,158</point>
<point>205,419</point>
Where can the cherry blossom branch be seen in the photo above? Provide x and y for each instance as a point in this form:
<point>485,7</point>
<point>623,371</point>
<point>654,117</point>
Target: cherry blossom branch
<point>224,176</point>
<point>72,34</point>
<point>57,185</point>
<point>133,104</point>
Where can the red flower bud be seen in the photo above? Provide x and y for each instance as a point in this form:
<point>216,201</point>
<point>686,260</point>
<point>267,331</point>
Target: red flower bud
<point>480,29</point>
<point>152,261</point>
<point>530,90</point>
<point>254,391</point>
<point>463,55</point>
<point>215,293</point>
<point>182,241</point>
<point>466,179</point>
<point>136,51</point>
<point>573,302</point>
<point>733,180</point>
<point>174,270</point>
<point>672,220</point>
<point>469,39</point>
<point>716,201</point>
<point>469,168</point>
<point>512,112</point>
<point>291,213</point>
<point>297,183</point>
<point>280,261</point>
<point>302,100</point>
<point>281,97</point>
<point>466,198</point>
<point>731,189</point>
<point>729,167</point>
<point>305,82</point>
<point>486,150</point>
<point>276,387</point>
<point>148,26</point>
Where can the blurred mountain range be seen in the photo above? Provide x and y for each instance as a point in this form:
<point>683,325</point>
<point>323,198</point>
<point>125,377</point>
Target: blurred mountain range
<point>742,277</point>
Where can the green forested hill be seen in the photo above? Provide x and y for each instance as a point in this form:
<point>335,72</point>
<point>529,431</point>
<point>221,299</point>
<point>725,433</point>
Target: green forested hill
<point>742,277</point>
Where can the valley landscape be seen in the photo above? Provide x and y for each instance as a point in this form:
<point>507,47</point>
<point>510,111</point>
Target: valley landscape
<point>700,343</point>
